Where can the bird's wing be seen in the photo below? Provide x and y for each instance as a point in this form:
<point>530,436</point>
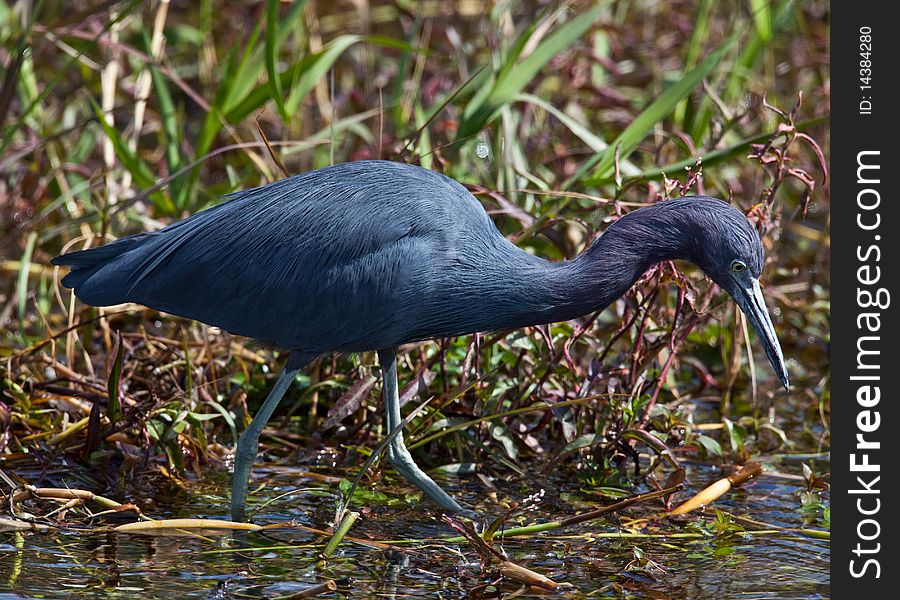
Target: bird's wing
<point>325,260</point>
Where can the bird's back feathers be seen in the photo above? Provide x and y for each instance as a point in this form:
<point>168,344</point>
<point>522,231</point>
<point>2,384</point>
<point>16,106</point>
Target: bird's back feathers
<point>372,254</point>
<point>346,257</point>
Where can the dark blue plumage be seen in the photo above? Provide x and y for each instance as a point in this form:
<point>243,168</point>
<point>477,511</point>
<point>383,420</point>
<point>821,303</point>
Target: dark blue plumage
<point>372,254</point>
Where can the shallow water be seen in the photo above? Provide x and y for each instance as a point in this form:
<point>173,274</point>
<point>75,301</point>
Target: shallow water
<point>278,562</point>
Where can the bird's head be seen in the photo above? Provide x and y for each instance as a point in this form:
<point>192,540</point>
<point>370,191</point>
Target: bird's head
<point>728,249</point>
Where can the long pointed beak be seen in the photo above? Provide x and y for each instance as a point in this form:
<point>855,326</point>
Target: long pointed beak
<point>751,301</point>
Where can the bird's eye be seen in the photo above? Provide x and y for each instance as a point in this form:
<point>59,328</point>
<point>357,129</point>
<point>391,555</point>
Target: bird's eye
<point>737,266</point>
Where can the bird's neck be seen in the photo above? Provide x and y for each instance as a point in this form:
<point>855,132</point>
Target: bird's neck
<point>601,274</point>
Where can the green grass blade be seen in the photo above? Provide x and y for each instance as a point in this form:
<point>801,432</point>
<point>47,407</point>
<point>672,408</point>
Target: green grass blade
<point>352,123</point>
<point>512,80</point>
<point>783,14</point>
<point>395,44</point>
<point>170,128</point>
<point>716,156</point>
<point>47,87</point>
<point>762,19</point>
<point>171,131</point>
<point>169,119</point>
<point>275,90</point>
<point>515,51</point>
<point>423,144</point>
<point>229,419</point>
<point>244,79</point>
<point>305,73</point>
<point>252,64</point>
<point>594,142</point>
<point>24,270</point>
<point>139,170</point>
<point>316,68</point>
<point>398,89</point>
<point>114,408</point>
<point>437,107</point>
<point>657,110</point>
<point>212,124</point>
<point>749,56</point>
<point>686,109</point>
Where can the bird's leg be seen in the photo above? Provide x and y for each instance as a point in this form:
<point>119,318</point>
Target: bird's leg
<point>248,443</point>
<point>397,452</point>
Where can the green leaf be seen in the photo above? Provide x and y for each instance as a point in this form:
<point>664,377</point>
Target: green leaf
<point>456,469</point>
<point>503,435</point>
<point>244,76</point>
<point>24,270</point>
<point>155,430</point>
<point>114,409</point>
<point>716,156</point>
<point>586,440</point>
<point>200,417</point>
<point>245,79</point>
<point>241,77</point>
<point>170,130</point>
<point>736,434</point>
<point>304,74</point>
<point>389,42</point>
<point>762,18</point>
<point>513,78</point>
<point>711,445</point>
<point>213,121</point>
<point>316,68</point>
<point>272,11</point>
<point>653,114</point>
<point>684,113</point>
<point>423,146</point>
<point>743,67</point>
<point>594,142</point>
<point>229,419</point>
<point>139,170</point>
<point>611,492</point>
<point>515,51</point>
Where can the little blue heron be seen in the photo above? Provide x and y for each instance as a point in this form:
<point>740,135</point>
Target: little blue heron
<point>370,255</point>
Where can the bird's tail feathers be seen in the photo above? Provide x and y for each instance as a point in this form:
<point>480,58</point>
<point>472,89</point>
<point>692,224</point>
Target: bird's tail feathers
<point>86,263</point>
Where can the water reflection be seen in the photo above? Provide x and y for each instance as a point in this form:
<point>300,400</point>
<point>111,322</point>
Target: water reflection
<point>283,561</point>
